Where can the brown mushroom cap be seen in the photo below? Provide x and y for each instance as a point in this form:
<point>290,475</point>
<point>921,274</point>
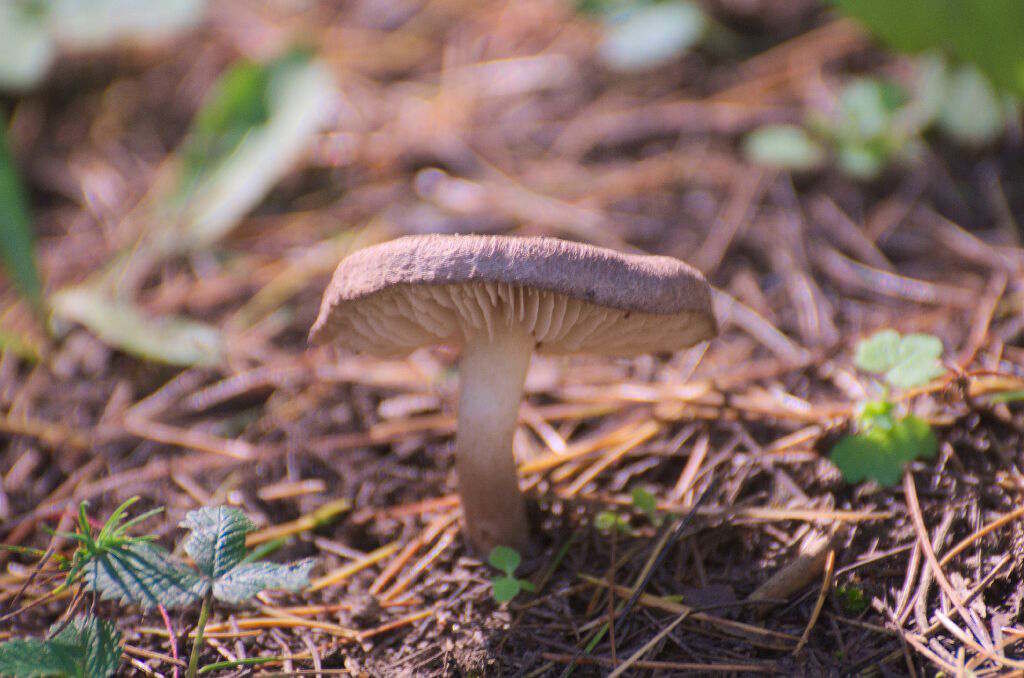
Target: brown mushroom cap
<point>391,298</point>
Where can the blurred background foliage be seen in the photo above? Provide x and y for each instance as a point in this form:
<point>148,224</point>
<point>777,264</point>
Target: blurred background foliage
<point>966,72</point>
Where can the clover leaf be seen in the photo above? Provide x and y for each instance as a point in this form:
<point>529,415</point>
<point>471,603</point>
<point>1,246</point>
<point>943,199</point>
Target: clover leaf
<point>645,502</point>
<point>509,586</point>
<point>881,451</point>
<point>904,362</point>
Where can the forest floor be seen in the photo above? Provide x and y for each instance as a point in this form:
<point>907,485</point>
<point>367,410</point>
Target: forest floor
<point>430,132</point>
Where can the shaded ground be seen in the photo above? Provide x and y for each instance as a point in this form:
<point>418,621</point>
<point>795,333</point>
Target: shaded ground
<point>426,139</point>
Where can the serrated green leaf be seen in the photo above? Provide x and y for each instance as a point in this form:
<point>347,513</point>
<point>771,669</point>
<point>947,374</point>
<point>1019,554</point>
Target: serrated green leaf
<point>118,323</point>
<point>216,543</point>
<point>217,539</point>
<point>86,648</point>
<point>145,574</point>
<point>505,559</point>
<point>783,146</point>
<point>505,588</point>
<point>16,248</point>
<point>248,579</point>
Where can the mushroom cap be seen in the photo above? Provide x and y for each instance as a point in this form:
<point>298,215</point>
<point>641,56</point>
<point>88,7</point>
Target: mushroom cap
<point>391,298</point>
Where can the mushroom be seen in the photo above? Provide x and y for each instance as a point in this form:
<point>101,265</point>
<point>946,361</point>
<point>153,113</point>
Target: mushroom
<point>502,298</point>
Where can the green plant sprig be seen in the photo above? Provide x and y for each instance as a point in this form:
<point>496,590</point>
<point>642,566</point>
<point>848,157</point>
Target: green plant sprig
<point>508,586</point>
<point>643,501</point>
<point>885,442</point>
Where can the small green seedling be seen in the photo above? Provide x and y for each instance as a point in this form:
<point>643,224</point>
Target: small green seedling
<point>216,543</point>
<point>876,123</point>
<point>133,569</point>
<point>86,647</point>
<point>884,442</point>
<point>904,362</point>
<point>127,568</point>
<point>645,502</point>
<point>606,521</point>
<point>851,599</point>
<point>869,129</point>
<point>641,35</point>
<point>507,587</point>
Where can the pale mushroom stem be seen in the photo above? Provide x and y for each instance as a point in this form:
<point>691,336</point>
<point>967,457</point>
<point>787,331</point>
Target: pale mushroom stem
<point>491,375</point>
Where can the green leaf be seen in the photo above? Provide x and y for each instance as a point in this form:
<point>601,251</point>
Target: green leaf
<point>1008,397</point>
<point>125,568</point>
<point>607,520</point>
<point>971,111</point>
<point>86,648</point>
<point>165,339</point>
<point>983,32</point>
<point>217,539</point>
<point>917,361</point>
<point>783,146</point>
<point>236,104</point>
<point>505,559</point>
<point>257,124</point>
<point>505,588</point>
<point>866,108</point>
<point>19,344</point>
<point>851,599</point>
<point>861,457</point>
<point>877,413</point>
<point>16,248</point>
<point>217,545</point>
<point>879,352</point>
<point>650,35</point>
<point>906,362</point>
<point>880,453</point>
<point>644,501</point>
<point>142,573</point>
<point>860,161</point>
<point>914,438</point>
<point>248,579</point>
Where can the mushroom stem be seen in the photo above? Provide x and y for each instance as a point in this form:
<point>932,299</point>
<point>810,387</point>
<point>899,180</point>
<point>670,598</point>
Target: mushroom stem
<point>492,372</point>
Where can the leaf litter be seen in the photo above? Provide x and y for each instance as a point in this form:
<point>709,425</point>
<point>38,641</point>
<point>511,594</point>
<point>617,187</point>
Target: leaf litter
<point>734,439</point>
